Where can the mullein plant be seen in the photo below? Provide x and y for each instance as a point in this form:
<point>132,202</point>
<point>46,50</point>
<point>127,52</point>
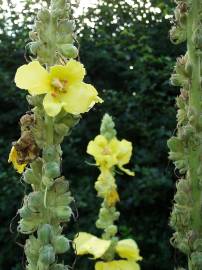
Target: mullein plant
<point>110,154</point>
<point>58,96</point>
<point>186,146</point>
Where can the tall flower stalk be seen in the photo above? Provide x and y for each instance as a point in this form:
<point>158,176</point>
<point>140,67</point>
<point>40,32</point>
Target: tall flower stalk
<point>109,153</point>
<point>186,146</point>
<point>58,96</point>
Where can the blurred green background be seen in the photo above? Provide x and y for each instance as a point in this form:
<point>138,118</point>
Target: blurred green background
<point>126,49</point>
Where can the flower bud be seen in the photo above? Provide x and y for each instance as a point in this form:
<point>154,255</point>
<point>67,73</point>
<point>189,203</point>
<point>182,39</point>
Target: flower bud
<point>64,38</point>
<point>27,227</point>
<point>61,244</point>
<point>111,230</point>
<point>25,212</point>
<point>47,255</point>
<point>35,201</point>
<point>45,232</point>
<point>64,199</point>
<point>63,213</point>
<point>52,169</point>
<point>50,152</point>
<point>62,129</point>
<point>37,167</point>
<point>43,15</point>
<point>30,178</point>
<point>61,186</point>
<point>196,259</point>
<point>66,26</point>
<point>68,50</point>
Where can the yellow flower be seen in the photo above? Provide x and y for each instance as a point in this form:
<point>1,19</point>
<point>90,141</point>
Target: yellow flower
<point>86,243</point>
<point>13,157</point>
<point>112,197</point>
<point>110,153</point>
<point>128,249</point>
<point>117,265</point>
<point>63,86</point>
<point>103,151</point>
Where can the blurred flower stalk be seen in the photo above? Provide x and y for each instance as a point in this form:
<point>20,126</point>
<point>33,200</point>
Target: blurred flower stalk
<point>186,146</point>
<point>58,96</point>
<point>109,153</point>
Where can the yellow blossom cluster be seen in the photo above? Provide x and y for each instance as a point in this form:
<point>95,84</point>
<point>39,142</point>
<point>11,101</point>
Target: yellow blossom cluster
<point>110,153</point>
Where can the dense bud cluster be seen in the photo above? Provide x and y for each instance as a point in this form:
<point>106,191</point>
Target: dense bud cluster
<point>186,146</point>
<point>53,34</point>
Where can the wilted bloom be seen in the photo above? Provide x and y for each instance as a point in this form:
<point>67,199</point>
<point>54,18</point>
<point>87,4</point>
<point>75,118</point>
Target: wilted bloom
<point>63,86</point>
<point>13,158</point>
<point>112,197</point>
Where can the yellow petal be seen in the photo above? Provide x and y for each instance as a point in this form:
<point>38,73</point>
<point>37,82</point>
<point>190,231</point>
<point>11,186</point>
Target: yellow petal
<point>34,78</point>
<point>13,159</point>
<point>80,98</point>
<point>52,105</point>
<point>103,152</point>
<point>96,146</point>
<point>117,265</point>
<point>86,243</point>
<point>73,72</point>
<point>128,249</point>
<point>124,152</point>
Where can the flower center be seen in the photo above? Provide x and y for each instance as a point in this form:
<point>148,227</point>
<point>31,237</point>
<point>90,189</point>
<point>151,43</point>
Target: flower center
<point>59,86</point>
<point>106,151</point>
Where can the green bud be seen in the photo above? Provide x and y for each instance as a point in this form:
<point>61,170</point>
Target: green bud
<point>107,128</point>
<point>50,153</point>
<point>45,232</point>
<point>196,259</point>
<point>64,199</point>
<point>47,255</point>
<point>112,230</point>
<point>66,26</point>
<point>25,212</point>
<point>37,167</point>
<point>48,182</point>
<point>61,244</point>
<point>62,129</point>
<point>63,38</point>
<point>63,213</point>
<point>68,50</point>
<point>30,178</point>
<point>35,201</point>
<point>52,169</point>
<point>27,227</point>
<point>43,15</point>
<point>61,186</point>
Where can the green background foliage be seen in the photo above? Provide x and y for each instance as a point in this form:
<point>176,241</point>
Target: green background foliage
<point>129,58</point>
